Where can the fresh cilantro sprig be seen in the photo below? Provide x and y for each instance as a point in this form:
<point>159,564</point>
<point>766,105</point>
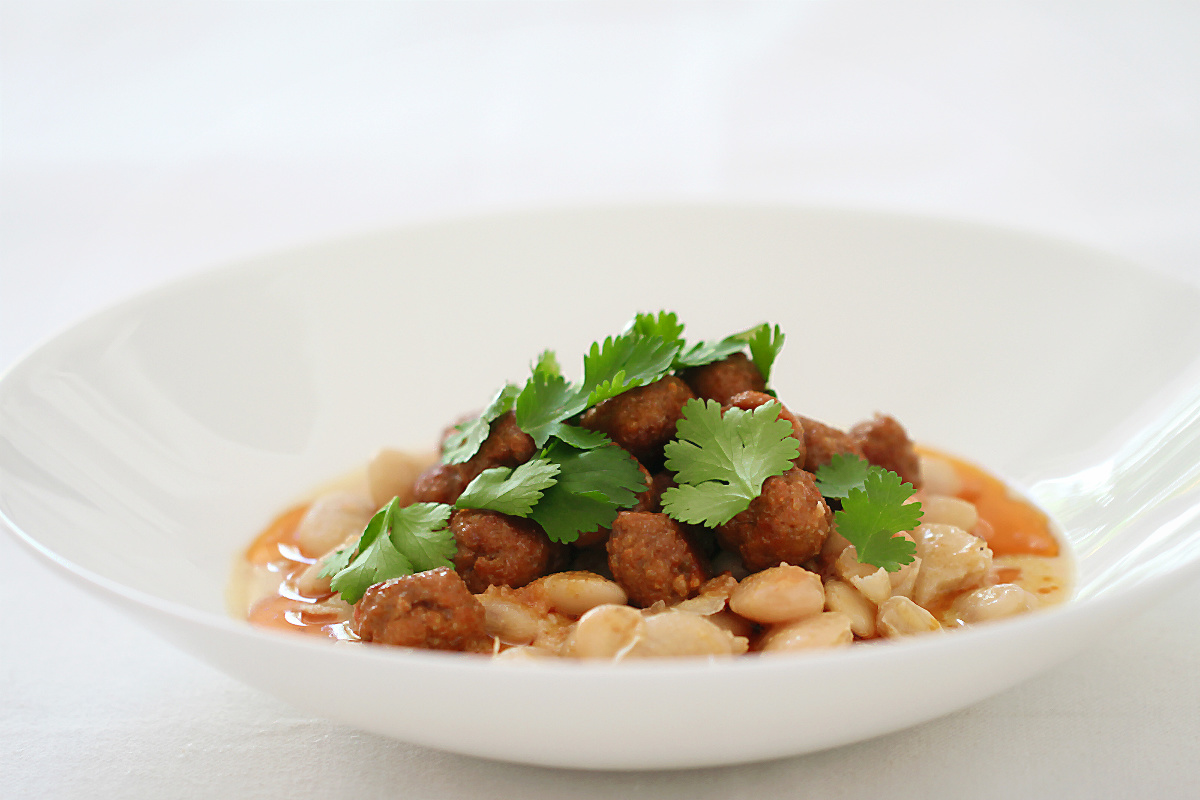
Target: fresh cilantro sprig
<point>510,491</point>
<point>873,509</point>
<point>625,362</point>
<point>592,486</point>
<point>399,540</point>
<point>464,441</point>
<point>721,461</point>
<point>665,324</point>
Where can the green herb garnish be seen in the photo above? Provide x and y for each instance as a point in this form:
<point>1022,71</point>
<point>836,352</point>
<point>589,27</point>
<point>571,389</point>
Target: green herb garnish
<point>721,461</point>
<point>397,541</point>
<point>464,441</point>
<point>591,488</point>
<point>873,509</point>
<point>510,491</point>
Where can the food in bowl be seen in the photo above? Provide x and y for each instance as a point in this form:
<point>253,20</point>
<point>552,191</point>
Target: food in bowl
<point>667,504</point>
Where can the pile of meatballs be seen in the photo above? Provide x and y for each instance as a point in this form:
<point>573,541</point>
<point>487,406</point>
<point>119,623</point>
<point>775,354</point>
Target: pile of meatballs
<point>506,565</point>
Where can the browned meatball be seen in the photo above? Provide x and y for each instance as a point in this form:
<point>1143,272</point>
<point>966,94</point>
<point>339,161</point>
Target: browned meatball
<point>496,549</point>
<point>723,379</point>
<point>822,442</point>
<point>653,558</point>
<point>440,483</point>
<point>600,535</point>
<point>430,609</point>
<point>641,420</point>
<point>884,441</point>
<point>506,446</point>
<point>749,401</point>
<point>786,523</point>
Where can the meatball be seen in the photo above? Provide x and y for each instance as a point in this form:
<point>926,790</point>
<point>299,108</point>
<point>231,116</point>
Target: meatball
<point>440,483</point>
<point>496,549</point>
<point>644,501</point>
<point>654,558</point>
<point>822,442</point>
<point>641,420</point>
<point>749,401</point>
<point>431,609</point>
<point>722,379</point>
<point>786,523</point>
<point>884,442</point>
<point>506,446</point>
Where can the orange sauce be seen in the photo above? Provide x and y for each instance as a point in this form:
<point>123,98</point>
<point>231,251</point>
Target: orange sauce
<point>267,548</point>
<point>1014,527</point>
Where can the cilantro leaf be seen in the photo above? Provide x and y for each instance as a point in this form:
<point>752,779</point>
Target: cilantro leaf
<point>547,363</point>
<point>397,541</point>
<point>592,486</point>
<point>509,491</point>
<point>721,461</point>
<point>546,401</point>
<point>624,362</point>
<point>843,472</point>
<point>765,344</point>
<point>464,441</point>
<point>701,353</point>
<point>871,516</point>
<point>665,324</point>
<point>419,532</point>
<point>581,438</point>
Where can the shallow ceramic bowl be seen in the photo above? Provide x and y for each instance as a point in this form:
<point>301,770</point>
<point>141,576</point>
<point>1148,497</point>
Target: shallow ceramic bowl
<point>142,450</point>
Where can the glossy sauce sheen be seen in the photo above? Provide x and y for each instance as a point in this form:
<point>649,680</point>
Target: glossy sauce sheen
<point>1019,535</point>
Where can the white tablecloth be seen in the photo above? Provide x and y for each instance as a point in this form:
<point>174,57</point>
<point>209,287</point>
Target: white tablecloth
<point>142,141</point>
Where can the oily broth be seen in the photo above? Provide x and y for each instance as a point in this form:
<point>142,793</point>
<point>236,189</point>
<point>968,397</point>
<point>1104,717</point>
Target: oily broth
<point>1026,552</point>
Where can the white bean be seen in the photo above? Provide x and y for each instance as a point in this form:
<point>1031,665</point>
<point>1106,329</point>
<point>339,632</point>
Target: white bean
<point>899,616</point>
<point>392,473</point>
<point>992,602</point>
<point>330,520</point>
<point>507,618</point>
<point>827,629</point>
<point>608,631</point>
<point>876,587</point>
<point>944,510</point>
<point>938,476</point>
<point>845,598</point>
<point>713,596</point>
<point>952,560</point>
<point>679,633</point>
<point>778,594</point>
<point>576,593</point>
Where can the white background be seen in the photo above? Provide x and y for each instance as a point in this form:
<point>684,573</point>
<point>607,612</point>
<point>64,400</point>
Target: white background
<point>142,141</point>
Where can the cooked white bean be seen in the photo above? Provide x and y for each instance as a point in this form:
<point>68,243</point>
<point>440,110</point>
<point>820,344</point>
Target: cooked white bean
<point>392,473</point>
<point>833,546</point>
<point>827,629</point>
<point>904,580</point>
<point>876,587</point>
<point>899,616</point>
<point>507,618</point>
<point>523,652</point>
<point>606,632</point>
<point>738,626</point>
<point>778,594</point>
<point>330,520</point>
<point>310,583</point>
<point>679,633</point>
<point>575,593</point>
<point>944,510</point>
<point>992,602</point>
<point>848,566</point>
<point>938,476</point>
<point>713,596</point>
<point>952,560</point>
<point>843,597</point>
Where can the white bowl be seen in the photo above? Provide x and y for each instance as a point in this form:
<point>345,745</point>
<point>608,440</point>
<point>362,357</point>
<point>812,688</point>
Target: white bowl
<point>141,450</point>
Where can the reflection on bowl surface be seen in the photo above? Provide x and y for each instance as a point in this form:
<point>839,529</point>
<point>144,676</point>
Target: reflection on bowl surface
<point>139,449</point>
